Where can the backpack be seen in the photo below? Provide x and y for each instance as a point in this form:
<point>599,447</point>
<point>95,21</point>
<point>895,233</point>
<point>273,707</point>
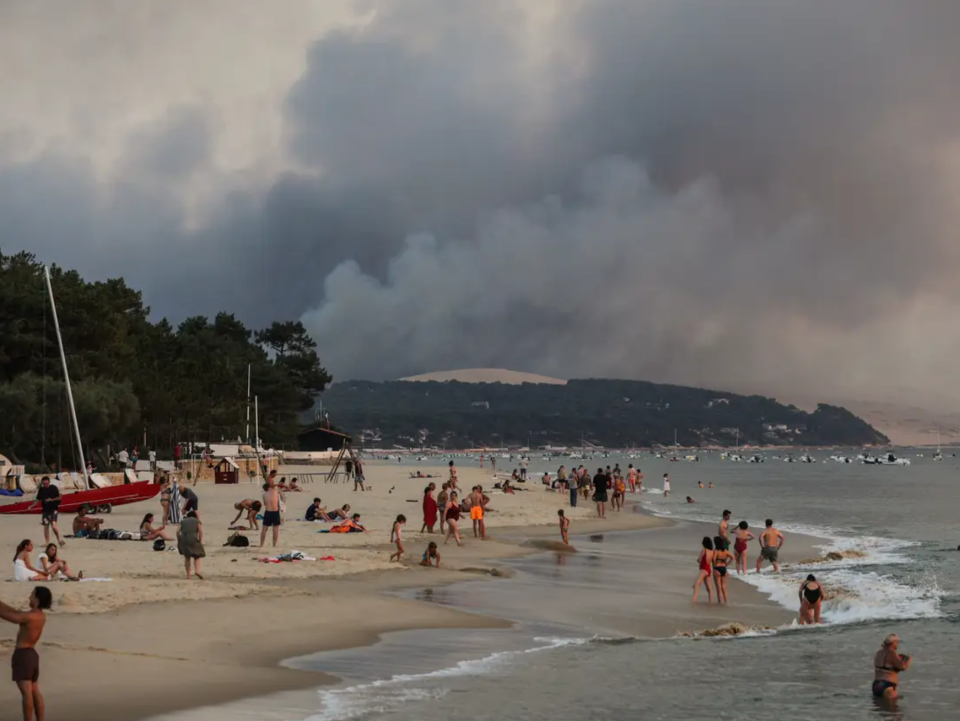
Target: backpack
<point>238,540</point>
<point>159,545</point>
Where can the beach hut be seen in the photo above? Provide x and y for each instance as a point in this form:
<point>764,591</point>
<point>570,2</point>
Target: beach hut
<point>226,471</point>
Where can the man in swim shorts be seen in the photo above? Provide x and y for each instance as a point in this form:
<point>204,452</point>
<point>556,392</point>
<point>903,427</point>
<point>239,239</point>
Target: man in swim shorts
<point>476,513</point>
<point>271,510</point>
<point>771,540</point>
<point>48,496</point>
<point>724,531</point>
<point>26,660</point>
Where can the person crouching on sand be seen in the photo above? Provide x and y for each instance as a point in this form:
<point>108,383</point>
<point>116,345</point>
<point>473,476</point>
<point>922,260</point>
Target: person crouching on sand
<point>396,538</point>
<point>564,528</point>
<point>811,597</point>
<point>431,555</point>
<point>887,666</point>
<point>26,660</point>
<point>703,576</point>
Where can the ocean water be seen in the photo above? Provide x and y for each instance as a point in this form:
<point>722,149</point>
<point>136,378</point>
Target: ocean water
<point>557,665</point>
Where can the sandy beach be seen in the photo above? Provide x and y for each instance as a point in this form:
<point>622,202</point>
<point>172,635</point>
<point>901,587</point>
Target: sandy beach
<point>152,642</point>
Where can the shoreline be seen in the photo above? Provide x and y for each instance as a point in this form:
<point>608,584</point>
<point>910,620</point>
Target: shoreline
<point>169,656</point>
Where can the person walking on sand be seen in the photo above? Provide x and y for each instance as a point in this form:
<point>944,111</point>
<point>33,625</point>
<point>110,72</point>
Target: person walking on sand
<point>771,541</point>
<point>26,660</point>
<point>721,559</point>
<point>564,528</point>
<point>705,562</point>
<point>724,530</point>
<point>742,535</point>
<point>619,492</point>
<point>452,480</point>
<point>600,482</point>
<point>887,667</point>
<point>666,485</point>
<point>190,543</point>
<point>429,509</point>
<point>452,514</point>
<point>48,496</point>
<point>632,478</point>
<point>811,597</point>
<point>271,511</point>
<point>396,538</point>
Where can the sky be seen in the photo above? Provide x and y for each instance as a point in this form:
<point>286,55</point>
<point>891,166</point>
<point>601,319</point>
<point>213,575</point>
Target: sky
<point>743,194</point>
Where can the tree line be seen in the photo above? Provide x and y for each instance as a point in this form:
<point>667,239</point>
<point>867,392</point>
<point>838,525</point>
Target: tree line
<point>134,378</point>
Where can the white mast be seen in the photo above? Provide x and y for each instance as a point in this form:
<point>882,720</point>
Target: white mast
<point>246,432</point>
<point>256,433</point>
<point>66,378</point>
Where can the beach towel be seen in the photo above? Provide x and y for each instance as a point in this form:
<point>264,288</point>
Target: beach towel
<point>176,500</point>
<point>287,558</point>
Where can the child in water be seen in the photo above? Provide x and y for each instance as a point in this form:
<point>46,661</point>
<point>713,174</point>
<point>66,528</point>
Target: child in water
<point>430,555</point>
<point>564,527</point>
<point>395,537</point>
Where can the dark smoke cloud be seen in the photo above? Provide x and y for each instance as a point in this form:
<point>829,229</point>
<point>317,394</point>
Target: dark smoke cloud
<point>746,193</point>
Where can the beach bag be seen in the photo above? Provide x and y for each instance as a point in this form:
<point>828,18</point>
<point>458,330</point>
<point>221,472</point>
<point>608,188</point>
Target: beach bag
<point>238,540</point>
<point>159,545</point>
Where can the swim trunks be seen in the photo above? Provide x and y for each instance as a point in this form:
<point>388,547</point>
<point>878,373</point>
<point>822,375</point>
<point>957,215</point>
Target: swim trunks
<point>25,664</point>
<point>48,518</point>
<point>879,687</point>
<point>476,513</point>
<point>770,553</point>
<point>271,518</point>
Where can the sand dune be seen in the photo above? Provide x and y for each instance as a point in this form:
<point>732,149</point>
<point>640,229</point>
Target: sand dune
<point>486,375</point>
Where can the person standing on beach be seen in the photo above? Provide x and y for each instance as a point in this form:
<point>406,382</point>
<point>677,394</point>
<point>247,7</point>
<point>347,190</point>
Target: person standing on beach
<point>771,541</point>
<point>632,478</point>
<point>572,486</point>
<point>493,464</point>
<point>666,485</point>
<point>48,496</point>
<point>452,515</point>
<point>584,483</point>
<point>476,513</point>
<point>358,478</point>
<point>564,528</point>
<point>452,480</point>
<point>724,530</point>
<point>395,537</point>
<point>639,481</point>
<point>600,485</point>
<point>721,558</point>
<point>190,543</point>
<point>271,511</point>
<point>481,460</point>
<point>740,546</point>
<point>26,660</point>
<point>705,562</point>
<point>429,509</point>
<point>152,456</point>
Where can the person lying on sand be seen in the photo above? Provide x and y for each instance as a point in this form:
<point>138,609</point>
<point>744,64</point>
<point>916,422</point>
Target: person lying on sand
<point>148,532</point>
<point>23,568</point>
<point>251,507</point>
<point>430,555</point>
<point>351,525</point>
<point>84,525</point>
<point>54,565</point>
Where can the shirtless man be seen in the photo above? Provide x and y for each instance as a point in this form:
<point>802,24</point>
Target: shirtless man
<point>26,661</point>
<point>771,540</point>
<point>476,513</point>
<point>271,510</point>
<point>84,525</point>
<point>252,508</point>
<point>723,531</point>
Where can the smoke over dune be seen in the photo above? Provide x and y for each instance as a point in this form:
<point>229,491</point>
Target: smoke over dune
<point>752,194</point>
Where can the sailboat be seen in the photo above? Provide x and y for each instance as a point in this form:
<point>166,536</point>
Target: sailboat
<point>938,456</point>
<point>102,499</point>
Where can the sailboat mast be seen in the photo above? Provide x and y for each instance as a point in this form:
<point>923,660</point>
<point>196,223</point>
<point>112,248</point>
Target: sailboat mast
<point>246,431</point>
<point>66,378</point>
<point>256,433</point>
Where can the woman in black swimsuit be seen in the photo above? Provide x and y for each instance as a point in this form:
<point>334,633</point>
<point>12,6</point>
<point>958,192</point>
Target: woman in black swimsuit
<point>452,516</point>
<point>811,596</point>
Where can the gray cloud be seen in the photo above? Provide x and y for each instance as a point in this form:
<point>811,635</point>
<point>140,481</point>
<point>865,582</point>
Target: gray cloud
<point>746,193</point>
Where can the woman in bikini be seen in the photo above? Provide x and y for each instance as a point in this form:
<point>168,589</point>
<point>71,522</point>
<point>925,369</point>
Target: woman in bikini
<point>165,493</point>
<point>452,516</point>
<point>811,596</point>
<point>742,536</point>
<point>148,532</point>
<point>54,565</point>
<point>721,557</point>
<point>703,576</point>
<point>887,666</point>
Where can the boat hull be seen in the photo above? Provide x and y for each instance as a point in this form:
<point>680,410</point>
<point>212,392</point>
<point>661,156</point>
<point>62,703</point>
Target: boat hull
<point>71,502</point>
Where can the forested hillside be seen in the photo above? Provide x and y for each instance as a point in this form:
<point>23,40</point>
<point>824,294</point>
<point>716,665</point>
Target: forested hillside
<point>612,413</point>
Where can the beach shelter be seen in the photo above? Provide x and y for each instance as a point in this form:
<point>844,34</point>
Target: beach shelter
<point>226,471</point>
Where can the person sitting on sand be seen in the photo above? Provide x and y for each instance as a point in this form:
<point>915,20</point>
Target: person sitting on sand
<point>887,667</point>
<point>150,533</point>
<point>564,527</point>
<point>23,568</point>
<point>251,507</point>
<point>515,476</point>
<point>430,555</point>
<point>811,596</point>
<point>705,562</point>
<point>84,525</point>
<point>507,488</point>
<point>55,567</point>
<point>316,512</point>
<point>545,479</point>
<point>343,512</point>
<point>294,487</point>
